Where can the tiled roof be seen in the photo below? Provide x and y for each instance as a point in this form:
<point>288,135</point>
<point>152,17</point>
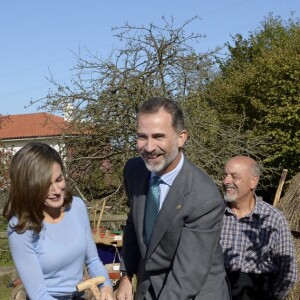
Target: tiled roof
<point>31,125</point>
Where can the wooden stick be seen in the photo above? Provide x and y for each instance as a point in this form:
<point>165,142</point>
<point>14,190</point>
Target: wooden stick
<point>280,186</point>
<point>91,284</point>
<point>96,292</point>
<point>101,213</point>
<point>94,217</point>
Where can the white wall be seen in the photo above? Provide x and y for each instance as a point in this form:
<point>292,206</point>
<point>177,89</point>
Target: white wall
<point>17,144</point>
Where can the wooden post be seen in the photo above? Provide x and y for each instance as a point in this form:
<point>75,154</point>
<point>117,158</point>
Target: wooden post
<point>280,186</point>
<point>101,214</point>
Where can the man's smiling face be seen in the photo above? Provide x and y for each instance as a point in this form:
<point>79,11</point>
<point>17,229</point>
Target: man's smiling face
<point>238,182</point>
<point>157,141</point>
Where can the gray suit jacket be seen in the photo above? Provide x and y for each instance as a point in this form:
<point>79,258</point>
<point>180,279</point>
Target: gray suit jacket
<point>184,259</point>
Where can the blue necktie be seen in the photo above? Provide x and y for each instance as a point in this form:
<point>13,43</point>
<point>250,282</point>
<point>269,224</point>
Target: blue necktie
<point>152,208</point>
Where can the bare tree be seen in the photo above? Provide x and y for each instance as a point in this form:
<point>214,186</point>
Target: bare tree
<point>103,99</point>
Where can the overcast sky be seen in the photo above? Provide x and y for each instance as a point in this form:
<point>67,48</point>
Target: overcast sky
<point>39,37</point>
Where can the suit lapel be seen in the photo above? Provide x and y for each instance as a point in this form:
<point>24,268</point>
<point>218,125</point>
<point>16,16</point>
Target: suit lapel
<point>139,210</point>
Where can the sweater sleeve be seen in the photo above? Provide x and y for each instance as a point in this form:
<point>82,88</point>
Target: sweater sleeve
<point>27,263</point>
<point>93,263</point>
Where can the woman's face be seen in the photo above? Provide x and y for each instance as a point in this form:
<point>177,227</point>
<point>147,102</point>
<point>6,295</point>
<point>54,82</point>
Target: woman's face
<point>55,197</point>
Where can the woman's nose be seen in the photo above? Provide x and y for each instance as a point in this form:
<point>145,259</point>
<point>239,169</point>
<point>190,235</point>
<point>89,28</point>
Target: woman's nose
<point>54,188</point>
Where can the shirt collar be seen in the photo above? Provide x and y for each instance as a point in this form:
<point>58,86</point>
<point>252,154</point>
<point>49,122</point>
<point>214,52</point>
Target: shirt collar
<point>169,177</point>
<point>255,211</point>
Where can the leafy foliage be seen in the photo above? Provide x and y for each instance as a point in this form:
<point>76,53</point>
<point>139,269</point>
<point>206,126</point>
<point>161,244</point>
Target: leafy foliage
<point>247,103</point>
<point>260,81</point>
<point>5,157</point>
<point>102,103</point>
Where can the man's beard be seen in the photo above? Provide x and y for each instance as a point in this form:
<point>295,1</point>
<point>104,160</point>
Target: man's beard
<point>229,199</point>
<point>163,164</point>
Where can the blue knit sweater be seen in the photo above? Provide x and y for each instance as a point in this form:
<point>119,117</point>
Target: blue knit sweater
<point>51,263</point>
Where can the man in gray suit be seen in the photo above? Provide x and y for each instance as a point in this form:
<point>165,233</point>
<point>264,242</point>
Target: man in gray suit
<point>180,258</point>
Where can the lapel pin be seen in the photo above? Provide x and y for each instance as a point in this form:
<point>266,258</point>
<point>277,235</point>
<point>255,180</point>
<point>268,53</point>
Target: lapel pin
<point>178,206</point>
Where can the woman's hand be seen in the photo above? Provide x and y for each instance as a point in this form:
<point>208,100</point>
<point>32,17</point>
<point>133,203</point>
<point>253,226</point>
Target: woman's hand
<point>106,293</point>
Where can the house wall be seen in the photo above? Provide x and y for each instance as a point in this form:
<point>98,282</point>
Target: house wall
<point>17,144</point>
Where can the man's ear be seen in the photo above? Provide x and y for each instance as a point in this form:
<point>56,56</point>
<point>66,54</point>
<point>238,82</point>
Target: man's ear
<point>254,182</point>
<point>182,136</point>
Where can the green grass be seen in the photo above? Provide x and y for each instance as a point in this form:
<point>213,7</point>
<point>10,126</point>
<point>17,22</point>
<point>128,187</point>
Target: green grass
<point>4,291</point>
<point>5,256</point>
<point>5,261</point>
